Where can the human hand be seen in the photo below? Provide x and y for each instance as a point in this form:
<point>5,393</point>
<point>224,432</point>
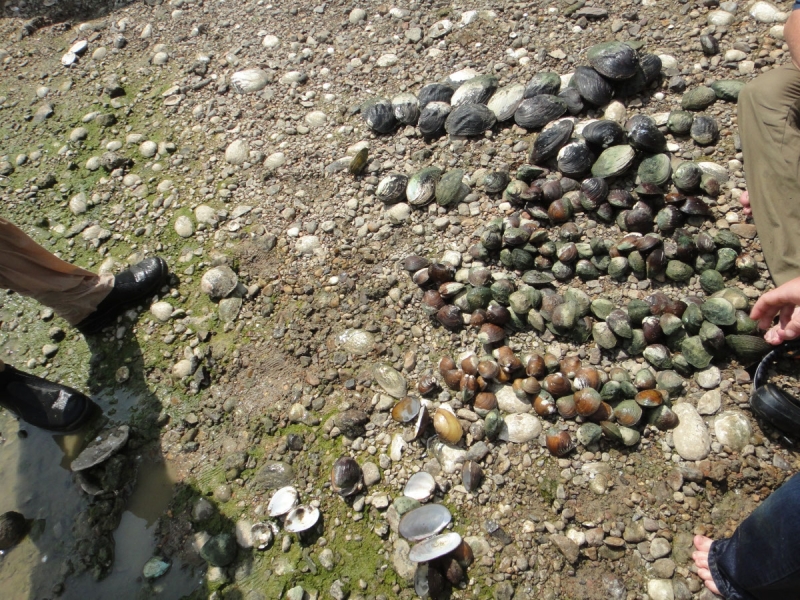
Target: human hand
<point>783,301</point>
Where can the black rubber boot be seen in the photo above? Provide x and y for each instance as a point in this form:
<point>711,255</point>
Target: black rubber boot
<point>138,283</point>
<point>43,403</point>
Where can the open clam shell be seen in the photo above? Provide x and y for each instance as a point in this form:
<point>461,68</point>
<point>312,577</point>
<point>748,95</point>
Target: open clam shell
<point>283,501</point>
<point>101,448</point>
<point>424,521</point>
<point>421,486</point>
<point>435,547</point>
<point>301,518</point>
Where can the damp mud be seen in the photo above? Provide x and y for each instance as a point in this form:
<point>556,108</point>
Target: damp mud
<point>34,468</point>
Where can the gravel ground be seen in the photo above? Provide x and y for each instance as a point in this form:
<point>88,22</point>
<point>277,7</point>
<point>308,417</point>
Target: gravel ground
<point>123,134</point>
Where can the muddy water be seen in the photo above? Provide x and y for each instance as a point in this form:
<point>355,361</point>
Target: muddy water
<point>36,481</point>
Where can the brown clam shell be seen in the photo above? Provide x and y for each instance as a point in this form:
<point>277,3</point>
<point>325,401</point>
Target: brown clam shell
<point>587,377</point>
<point>484,402</point>
<point>447,426</point>
<point>587,401</point>
<point>649,398</point>
<point>566,407</point>
<point>446,363</point>
<point>488,369</point>
<point>453,378</point>
<point>559,443</point>
<point>535,366</point>
<point>557,384</point>
<point>544,405</point>
<point>569,365</point>
<point>603,413</point>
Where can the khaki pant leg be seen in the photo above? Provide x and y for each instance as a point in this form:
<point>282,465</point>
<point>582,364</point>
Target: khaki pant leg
<point>769,125</point>
<point>30,270</point>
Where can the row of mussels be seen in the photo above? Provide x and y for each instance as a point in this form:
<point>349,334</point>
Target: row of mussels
<point>611,404</point>
<point>681,334</point>
<point>468,104</point>
<point>558,198</point>
<point>520,244</point>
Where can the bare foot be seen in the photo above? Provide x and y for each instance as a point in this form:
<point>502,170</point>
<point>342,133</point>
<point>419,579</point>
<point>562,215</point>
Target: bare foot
<point>744,199</point>
<point>700,558</point>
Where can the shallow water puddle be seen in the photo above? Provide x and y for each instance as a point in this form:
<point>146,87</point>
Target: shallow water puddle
<point>37,483</point>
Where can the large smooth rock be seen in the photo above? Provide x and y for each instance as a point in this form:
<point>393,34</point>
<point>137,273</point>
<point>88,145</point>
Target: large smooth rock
<point>733,430</point>
<point>691,437</point>
<point>520,428</point>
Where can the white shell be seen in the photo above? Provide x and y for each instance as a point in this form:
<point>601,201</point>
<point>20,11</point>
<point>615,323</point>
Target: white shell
<point>435,547</point>
<point>282,501</point>
<point>262,535</point>
<point>424,521</point>
<point>301,518</point>
<point>420,486</point>
<point>249,80</point>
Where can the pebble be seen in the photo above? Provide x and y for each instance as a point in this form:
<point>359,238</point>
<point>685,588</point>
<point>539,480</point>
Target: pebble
<point>161,311</point>
<point>218,282</point>
<point>237,152</point>
<point>766,12</point>
<point>184,226</point>
<point>733,430</point>
<point>357,15</point>
<point>148,149</point>
<point>520,428</point>
<point>709,403</point>
<point>708,378</point>
<point>660,589</point>
<point>692,440</point>
<point>720,18</point>
<point>659,548</point>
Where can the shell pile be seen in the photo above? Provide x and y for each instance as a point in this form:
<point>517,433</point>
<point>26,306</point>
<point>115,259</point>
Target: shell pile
<point>285,509</point>
<point>614,405</point>
<point>669,333</point>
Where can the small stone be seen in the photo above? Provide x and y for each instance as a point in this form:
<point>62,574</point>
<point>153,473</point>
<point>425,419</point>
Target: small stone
<point>308,244</point>
<point>691,437</point>
<point>400,561</point>
<point>161,311</point>
<point>660,589</point>
<point>184,226</point>
<point>220,550</point>
<point>202,510</point>
<point>766,12</point>
<point>219,281</point>
<point>237,152</point>
<point>567,547</point>
<point>357,15</point>
<point>326,559</point>
<point>148,149</point>
<point>520,428</point>
<point>708,378</point>
<point>659,548</point>
<point>732,430</point>
<point>155,567</point>
<point>183,368</point>
<point>371,473</point>
<point>709,403</point>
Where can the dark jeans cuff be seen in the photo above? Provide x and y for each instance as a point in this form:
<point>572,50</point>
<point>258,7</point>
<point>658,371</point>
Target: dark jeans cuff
<point>726,587</point>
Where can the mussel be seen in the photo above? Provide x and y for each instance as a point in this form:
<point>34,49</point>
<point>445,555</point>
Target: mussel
<point>345,476</point>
